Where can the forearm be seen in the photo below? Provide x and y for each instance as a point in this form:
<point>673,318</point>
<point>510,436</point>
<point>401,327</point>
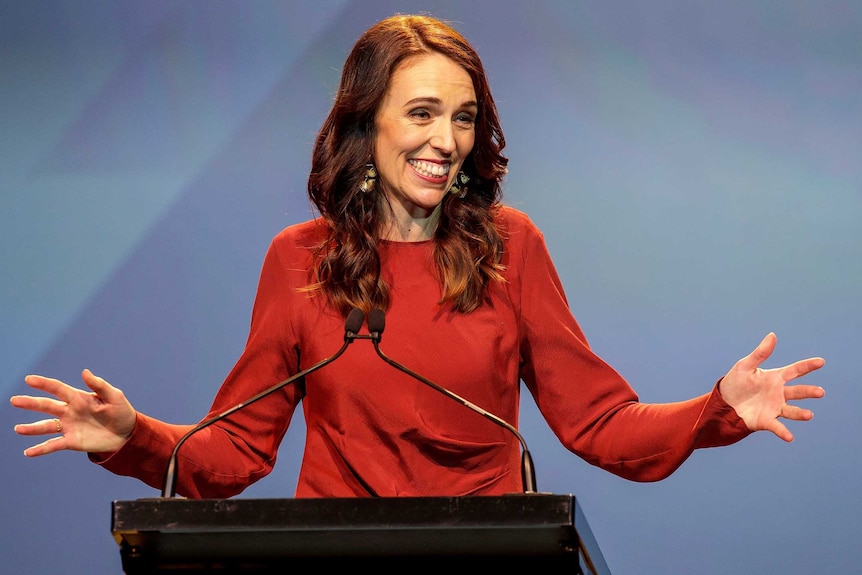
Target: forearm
<point>211,464</point>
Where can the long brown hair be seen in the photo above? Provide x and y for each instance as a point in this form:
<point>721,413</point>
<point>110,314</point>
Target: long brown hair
<point>468,246</point>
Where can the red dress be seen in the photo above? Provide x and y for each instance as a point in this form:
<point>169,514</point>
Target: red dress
<point>372,430</point>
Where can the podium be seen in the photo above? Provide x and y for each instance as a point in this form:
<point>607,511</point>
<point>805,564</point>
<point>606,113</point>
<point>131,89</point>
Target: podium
<point>268,536</point>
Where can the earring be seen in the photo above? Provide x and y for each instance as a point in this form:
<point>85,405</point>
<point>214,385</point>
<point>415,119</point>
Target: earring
<point>459,186</point>
<point>369,179</point>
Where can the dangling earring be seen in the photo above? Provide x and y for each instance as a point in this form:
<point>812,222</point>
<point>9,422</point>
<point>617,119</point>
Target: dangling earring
<point>369,179</point>
<point>459,186</point>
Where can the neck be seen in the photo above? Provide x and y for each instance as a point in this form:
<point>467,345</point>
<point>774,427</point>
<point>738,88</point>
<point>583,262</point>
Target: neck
<point>407,227</point>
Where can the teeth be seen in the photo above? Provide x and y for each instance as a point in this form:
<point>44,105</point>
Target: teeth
<point>429,168</point>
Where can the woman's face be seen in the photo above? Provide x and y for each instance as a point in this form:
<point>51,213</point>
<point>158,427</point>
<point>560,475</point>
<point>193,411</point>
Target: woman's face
<point>425,130</point>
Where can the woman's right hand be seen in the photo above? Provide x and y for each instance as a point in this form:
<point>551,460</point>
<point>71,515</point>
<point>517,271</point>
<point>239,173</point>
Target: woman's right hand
<point>97,421</point>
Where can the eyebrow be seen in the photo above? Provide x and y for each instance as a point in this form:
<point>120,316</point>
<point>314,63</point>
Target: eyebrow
<point>438,101</point>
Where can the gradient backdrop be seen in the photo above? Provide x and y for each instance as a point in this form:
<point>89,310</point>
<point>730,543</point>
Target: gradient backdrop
<point>694,165</point>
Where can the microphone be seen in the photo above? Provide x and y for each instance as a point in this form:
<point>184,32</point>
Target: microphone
<point>376,324</point>
<point>351,327</point>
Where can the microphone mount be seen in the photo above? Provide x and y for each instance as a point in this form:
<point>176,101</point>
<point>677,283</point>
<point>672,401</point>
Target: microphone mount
<point>376,324</point>
<point>351,326</point>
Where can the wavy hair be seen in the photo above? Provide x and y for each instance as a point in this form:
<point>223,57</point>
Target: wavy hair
<point>467,243</point>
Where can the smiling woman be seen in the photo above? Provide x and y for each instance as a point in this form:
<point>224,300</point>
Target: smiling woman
<point>406,174</point>
<point>424,132</point>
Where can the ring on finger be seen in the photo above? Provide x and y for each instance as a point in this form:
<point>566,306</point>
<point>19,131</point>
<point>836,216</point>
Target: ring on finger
<point>59,425</point>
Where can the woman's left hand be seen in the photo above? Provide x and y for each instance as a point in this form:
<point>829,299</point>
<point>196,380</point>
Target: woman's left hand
<point>761,396</point>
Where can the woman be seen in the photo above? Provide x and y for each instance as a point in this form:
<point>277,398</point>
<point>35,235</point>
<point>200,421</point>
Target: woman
<point>406,176</point>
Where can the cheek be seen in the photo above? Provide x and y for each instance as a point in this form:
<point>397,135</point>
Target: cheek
<point>397,142</point>
<point>466,142</point>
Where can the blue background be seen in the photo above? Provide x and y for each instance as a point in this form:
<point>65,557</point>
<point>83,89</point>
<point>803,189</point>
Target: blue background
<point>694,165</point>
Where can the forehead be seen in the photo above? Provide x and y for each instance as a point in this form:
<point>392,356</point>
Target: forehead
<point>430,75</point>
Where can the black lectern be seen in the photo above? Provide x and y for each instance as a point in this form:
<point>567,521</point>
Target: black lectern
<point>386,534</point>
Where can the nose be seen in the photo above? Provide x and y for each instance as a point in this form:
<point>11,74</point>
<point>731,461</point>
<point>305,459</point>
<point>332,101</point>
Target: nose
<point>443,137</point>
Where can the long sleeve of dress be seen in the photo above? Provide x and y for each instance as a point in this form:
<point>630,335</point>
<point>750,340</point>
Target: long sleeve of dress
<point>221,460</point>
<point>592,410</point>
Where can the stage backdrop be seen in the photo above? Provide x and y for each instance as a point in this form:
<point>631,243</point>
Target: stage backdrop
<point>694,165</point>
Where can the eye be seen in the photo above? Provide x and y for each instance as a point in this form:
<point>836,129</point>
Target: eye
<point>465,119</point>
<point>420,114</point>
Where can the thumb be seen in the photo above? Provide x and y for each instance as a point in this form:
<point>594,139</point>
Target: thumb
<point>760,353</point>
<point>98,385</point>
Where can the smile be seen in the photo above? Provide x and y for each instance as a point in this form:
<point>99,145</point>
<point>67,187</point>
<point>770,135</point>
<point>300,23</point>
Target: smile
<point>429,169</point>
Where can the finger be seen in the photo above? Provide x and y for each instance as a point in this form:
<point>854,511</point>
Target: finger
<point>43,427</point>
<point>25,401</point>
<point>47,405</point>
<point>796,413</point>
<point>760,354</point>
<point>780,430</point>
<point>50,385</point>
<point>802,367</point>
<point>46,447</point>
<point>792,392</point>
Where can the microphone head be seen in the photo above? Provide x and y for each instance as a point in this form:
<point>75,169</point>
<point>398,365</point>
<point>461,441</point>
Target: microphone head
<point>354,321</point>
<point>376,321</point>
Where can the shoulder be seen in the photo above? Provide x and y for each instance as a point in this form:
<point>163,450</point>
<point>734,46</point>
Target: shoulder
<point>289,259</point>
<point>524,247</point>
<point>294,246</point>
<point>308,233</point>
<point>517,228</point>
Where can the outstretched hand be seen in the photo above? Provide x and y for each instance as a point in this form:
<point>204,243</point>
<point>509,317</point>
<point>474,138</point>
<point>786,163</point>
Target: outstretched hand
<point>760,396</point>
<point>98,421</point>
